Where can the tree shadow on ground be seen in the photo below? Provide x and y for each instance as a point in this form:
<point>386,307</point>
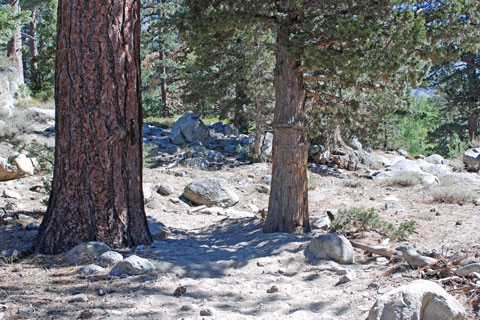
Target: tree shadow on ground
<point>228,244</point>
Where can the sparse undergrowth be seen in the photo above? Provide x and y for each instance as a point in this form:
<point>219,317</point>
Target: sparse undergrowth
<point>405,179</point>
<point>451,191</point>
<point>356,220</point>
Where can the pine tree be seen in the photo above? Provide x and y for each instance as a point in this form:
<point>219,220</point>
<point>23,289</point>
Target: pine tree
<point>97,182</point>
<point>354,44</point>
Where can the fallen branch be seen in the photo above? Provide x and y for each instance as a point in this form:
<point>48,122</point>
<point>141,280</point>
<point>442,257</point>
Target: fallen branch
<point>381,251</point>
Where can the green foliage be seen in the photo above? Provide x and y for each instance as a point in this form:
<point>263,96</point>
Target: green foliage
<point>41,68</point>
<point>149,154</point>
<point>10,19</point>
<point>45,155</point>
<point>357,220</point>
<point>360,60</point>
<point>163,56</point>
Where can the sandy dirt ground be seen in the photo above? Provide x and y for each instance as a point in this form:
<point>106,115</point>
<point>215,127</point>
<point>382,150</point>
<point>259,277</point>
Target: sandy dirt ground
<point>229,266</point>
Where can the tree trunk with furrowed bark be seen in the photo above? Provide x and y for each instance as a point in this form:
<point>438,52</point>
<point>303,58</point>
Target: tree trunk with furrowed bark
<point>97,187</point>
<point>288,204</point>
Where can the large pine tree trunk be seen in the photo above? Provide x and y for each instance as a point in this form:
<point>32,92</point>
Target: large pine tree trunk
<point>288,204</point>
<point>14,46</point>
<point>97,186</point>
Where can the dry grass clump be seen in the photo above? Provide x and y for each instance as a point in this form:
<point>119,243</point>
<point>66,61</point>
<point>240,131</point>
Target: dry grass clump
<point>405,179</point>
<point>15,125</point>
<point>353,183</point>
<point>452,194</point>
<point>376,165</point>
<point>450,191</point>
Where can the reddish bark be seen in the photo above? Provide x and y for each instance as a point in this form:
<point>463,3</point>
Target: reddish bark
<point>288,203</point>
<point>97,187</point>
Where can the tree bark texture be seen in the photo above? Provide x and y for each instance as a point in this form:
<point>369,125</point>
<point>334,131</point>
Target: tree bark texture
<point>14,46</point>
<point>288,203</point>
<point>32,41</point>
<point>97,187</point>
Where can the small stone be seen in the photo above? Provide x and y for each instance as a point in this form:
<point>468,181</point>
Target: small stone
<point>262,189</point>
<point>101,292</point>
<point>180,291</point>
<point>260,264</point>
<point>133,265</point>
<point>206,313</point>
<point>267,179</point>
<point>90,269</point>
<point>32,226</point>
<point>273,289</point>
<point>109,258</point>
<point>23,217</point>
<point>344,279</point>
<point>11,194</point>
<point>82,297</point>
<point>187,307</point>
<point>165,189</point>
<point>458,223</point>
<point>372,198</point>
<point>437,214</point>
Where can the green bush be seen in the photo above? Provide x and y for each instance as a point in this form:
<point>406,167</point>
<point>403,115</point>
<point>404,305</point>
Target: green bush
<point>356,220</point>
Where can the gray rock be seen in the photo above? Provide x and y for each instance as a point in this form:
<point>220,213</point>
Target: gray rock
<point>263,189</point>
<point>231,148</point>
<point>267,179</point>
<point>155,204</point>
<point>414,259</point>
<point>82,297</point>
<point>157,229</point>
<point>420,299</point>
<point>471,158</point>
<point>464,179</point>
<point>32,226</point>
<point>147,192</point>
<point>244,181</point>
<point>314,149</point>
<point>214,156</point>
<point>320,223</point>
<point>133,265</point>
<point>85,253</point>
<point>405,165</point>
<point>9,172</point>
<point>217,127</point>
<point>24,164</point>
<point>109,258</point>
<point>165,189</point>
<point>236,214</point>
<point>330,246</point>
<point>11,194</point>
<point>230,130</point>
<point>435,169</point>
<point>211,192</point>
<point>196,163</point>
<point>347,277</point>
<point>90,269</point>
<point>189,128</point>
<point>435,159</point>
<point>403,153</point>
<point>468,269</point>
<point>266,144</point>
<point>9,82</point>
<point>355,144</point>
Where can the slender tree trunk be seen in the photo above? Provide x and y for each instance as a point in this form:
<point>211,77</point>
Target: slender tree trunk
<point>163,85</point>
<point>473,126</point>
<point>97,185</point>
<point>32,40</point>
<point>258,128</point>
<point>14,46</point>
<point>288,204</point>
<point>239,118</point>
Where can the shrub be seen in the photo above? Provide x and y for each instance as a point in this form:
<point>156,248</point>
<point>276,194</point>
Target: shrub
<point>452,194</point>
<point>357,220</point>
<point>405,179</point>
<point>354,183</point>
